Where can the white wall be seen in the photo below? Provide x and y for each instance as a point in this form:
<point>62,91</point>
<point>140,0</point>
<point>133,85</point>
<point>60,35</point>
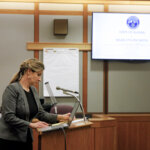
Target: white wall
<point>15,31</point>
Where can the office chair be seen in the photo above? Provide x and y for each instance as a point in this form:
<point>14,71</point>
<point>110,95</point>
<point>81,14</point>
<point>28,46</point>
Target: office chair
<point>62,109</point>
<point>55,107</point>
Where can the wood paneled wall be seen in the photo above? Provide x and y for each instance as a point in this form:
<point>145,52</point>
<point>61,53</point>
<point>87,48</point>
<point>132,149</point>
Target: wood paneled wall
<point>133,131</point>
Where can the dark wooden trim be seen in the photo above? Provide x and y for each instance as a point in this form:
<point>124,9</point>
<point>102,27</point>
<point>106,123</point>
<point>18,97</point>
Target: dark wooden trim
<point>105,92</point>
<point>85,23</point>
<point>85,57</point>
<point>57,12</point>
<point>105,79</point>
<point>36,31</point>
<point>36,28</point>
<point>106,8</point>
<point>40,46</point>
<point>113,2</point>
<point>16,11</point>
<point>128,112</point>
<point>125,117</point>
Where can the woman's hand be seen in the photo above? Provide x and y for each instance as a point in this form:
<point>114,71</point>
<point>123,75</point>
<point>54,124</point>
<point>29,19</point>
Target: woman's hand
<point>64,117</point>
<point>39,124</point>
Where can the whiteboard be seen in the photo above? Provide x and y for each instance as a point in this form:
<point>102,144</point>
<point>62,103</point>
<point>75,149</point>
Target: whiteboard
<point>61,69</point>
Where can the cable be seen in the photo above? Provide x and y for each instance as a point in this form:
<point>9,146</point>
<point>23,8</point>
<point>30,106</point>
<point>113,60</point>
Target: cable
<point>64,137</point>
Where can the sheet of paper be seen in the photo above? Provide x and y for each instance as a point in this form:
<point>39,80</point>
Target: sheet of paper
<point>61,69</point>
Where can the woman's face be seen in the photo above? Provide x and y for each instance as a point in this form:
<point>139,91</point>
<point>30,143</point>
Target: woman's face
<point>34,77</point>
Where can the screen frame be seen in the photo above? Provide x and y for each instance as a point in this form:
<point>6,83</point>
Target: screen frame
<point>115,59</point>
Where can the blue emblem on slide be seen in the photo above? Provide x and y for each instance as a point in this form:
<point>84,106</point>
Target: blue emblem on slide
<point>133,22</point>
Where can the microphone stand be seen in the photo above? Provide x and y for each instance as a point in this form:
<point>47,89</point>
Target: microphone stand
<point>78,100</point>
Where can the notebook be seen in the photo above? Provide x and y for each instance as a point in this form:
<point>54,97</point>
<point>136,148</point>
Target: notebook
<point>62,124</point>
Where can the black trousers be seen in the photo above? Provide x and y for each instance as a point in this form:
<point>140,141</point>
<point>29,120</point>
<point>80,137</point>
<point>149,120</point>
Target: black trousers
<point>8,145</point>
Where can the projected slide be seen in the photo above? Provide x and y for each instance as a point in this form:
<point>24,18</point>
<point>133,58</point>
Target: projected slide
<point>121,36</point>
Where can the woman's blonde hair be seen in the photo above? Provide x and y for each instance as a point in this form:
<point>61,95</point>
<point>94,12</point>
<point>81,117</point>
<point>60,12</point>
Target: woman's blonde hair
<point>33,64</point>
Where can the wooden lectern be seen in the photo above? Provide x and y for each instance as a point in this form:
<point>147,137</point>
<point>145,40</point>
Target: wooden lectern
<point>79,136</point>
<point>98,134</point>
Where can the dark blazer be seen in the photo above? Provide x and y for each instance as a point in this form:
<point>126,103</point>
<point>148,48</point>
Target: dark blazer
<point>15,121</point>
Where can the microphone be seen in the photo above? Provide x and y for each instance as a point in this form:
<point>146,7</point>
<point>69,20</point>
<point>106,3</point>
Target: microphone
<point>66,90</point>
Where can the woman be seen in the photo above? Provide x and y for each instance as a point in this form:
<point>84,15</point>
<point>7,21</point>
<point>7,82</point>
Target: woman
<point>20,104</point>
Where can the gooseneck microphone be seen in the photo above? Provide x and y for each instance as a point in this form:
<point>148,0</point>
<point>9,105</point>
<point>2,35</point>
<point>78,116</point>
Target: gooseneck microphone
<point>66,90</point>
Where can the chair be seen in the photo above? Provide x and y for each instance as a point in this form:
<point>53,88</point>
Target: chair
<point>62,109</point>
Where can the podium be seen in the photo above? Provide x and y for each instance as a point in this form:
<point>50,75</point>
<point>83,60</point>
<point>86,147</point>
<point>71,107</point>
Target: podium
<point>105,132</point>
<point>79,136</point>
<point>99,133</point>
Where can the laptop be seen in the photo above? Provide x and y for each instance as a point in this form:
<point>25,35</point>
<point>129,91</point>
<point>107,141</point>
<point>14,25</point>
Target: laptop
<point>61,125</point>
